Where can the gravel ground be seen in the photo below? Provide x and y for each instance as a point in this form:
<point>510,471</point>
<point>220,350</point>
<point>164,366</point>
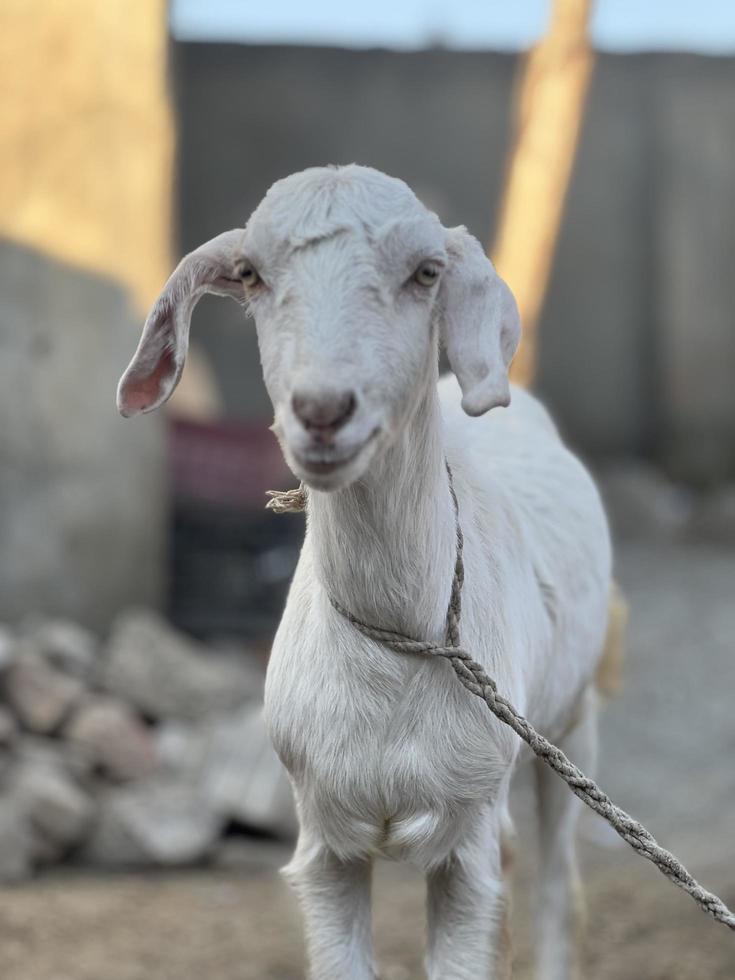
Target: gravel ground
<point>667,756</point>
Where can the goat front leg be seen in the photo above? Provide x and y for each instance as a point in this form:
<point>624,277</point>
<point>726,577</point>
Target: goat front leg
<point>466,907</point>
<point>335,904</point>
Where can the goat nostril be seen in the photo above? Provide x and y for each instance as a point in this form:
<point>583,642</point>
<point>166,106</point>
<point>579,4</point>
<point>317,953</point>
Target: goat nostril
<point>324,411</point>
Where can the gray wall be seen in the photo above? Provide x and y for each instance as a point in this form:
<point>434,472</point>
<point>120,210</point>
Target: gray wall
<point>638,336</point>
<point>82,492</point>
<point>638,340</point>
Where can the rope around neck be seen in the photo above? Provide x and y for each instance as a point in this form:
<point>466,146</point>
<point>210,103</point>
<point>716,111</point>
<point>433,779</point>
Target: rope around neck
<point>473,677</point>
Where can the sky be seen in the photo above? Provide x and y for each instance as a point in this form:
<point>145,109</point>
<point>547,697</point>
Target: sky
<point>618,25</point>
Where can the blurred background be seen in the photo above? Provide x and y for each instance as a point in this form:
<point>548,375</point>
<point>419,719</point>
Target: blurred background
<point>591,146</point>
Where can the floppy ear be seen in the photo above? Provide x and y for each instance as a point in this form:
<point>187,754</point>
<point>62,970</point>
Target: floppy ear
<point>480,324</point>
<point>158,362</point>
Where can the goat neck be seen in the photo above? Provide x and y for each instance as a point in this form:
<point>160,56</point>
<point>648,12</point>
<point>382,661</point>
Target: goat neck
<point>385,546</point>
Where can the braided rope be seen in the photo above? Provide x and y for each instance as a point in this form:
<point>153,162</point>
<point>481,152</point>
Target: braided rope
<point>287,501</point>
<point>476,680</point>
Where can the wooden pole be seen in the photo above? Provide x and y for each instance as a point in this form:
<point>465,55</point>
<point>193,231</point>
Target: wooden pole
<point>550,101</point>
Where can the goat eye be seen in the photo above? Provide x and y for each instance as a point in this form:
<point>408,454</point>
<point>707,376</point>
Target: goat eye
<point>426,274</point>
<point>247,273</point>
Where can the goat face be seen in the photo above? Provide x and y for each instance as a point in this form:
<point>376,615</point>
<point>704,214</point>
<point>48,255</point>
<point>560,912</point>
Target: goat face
<point>351,282</point>
<point>349,268</point>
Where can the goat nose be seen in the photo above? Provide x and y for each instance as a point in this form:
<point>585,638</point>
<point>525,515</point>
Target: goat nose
<point>325,410</point>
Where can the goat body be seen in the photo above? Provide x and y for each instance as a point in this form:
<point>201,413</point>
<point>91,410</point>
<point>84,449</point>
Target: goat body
<point>388,754</point>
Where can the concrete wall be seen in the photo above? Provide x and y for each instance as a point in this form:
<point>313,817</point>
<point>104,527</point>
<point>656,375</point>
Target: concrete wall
<point>637,338</point>
<point>82,511</point>
<point>85,201</point>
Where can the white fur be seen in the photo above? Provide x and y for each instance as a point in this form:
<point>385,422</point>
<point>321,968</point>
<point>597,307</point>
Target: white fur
<point>390,755</point>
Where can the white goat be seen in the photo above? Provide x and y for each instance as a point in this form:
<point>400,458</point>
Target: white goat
<point>353,285</point>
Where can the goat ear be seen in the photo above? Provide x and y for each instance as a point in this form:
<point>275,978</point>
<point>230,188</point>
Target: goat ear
<point>480,324</point>
<point>158,362</point>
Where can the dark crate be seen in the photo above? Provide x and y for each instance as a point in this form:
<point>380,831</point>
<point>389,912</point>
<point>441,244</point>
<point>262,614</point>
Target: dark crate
<point>230,560</point>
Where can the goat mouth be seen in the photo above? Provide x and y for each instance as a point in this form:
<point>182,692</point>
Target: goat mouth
<point>323,464</point>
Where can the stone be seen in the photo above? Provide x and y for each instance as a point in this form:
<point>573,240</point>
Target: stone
<point>247,660</point>
<point>642,503</point>
<point>7,648</point>
<point>16,843</point>
<point>72,759</point>
<point>41,696</point>
<point>64,644</point>
<point>155,822</point>
<point>117,741</point>
<point>46,852</point>
<point>111,843</point>
<point>181,748</point>
<point>8,728</point>
<point>168,675</point>
<point>58,810</point>
<point>714,518</point>
<point>233,762</point>
<point>250,854</point>
<point>244,779</point>
<point>7,763</point>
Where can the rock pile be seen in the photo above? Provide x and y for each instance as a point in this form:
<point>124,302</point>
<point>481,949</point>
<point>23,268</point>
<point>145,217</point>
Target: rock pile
<point>644,503</point>
<point>145,750</point>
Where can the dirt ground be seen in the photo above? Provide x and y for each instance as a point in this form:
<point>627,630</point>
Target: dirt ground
<point>226,927</point>
<point>667,756</point>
